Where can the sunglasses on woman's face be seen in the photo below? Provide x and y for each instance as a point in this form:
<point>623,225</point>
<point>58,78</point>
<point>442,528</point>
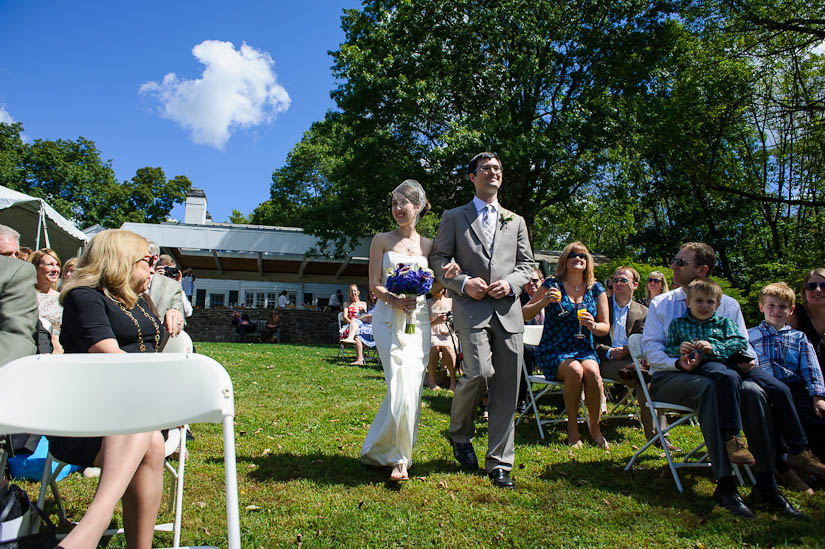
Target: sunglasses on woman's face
<point>813,286</point>
<point>654,280</point>
<point>577,254</point>
<point>149,259</point>
<point>535,280</point>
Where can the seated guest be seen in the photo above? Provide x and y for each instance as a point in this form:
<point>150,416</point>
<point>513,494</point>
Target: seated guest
<point>443,342</point>
<point>789,356</point>
<point>335,301</point>
<point>352,309</point>
<point>271,329</point>
<point>627,317</point>
<point>106,312</point>
<point>68,270</point>
<point>656,285</point>
<point>18,315</point>
<point>530,290</point>
<point>24,253</point>
<point>673,382</point>
<point>166,292</point>
<point>242,325</point>
<point>9,242</point>
<point>18,308</point>
<point>809,316</point>
<point>575,309</point>
<point>48,275</point>
<point>358,331</point>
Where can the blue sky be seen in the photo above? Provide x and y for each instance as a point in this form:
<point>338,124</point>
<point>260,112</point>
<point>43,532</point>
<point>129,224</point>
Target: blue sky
<point>226,119</point>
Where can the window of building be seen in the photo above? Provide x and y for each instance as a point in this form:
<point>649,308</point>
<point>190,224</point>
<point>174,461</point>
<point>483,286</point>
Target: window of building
<point>233,298</point>
<point>200,298</point>
<point>216,300</point>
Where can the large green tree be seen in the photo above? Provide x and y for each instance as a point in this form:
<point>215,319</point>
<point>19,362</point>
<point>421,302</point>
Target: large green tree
<point>425,85</point>
<point>73,178</point>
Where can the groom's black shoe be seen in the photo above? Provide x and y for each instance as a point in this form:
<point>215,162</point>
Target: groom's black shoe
<point>466,456</point>
<point>501,478</point>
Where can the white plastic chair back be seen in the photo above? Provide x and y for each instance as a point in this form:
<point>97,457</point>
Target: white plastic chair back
<point>105,394</point>
<point>532,334</point>
<point>179,344</point>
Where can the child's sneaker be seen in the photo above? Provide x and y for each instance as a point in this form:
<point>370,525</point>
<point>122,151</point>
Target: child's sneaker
<point>737,451</point>
<point>806,462</point>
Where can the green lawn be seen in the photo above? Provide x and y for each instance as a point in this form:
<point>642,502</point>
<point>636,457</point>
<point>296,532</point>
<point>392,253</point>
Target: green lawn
<point>301,418</point>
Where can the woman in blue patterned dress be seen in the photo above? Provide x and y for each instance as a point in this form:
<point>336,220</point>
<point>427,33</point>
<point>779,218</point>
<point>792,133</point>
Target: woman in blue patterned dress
<point>575,308</point>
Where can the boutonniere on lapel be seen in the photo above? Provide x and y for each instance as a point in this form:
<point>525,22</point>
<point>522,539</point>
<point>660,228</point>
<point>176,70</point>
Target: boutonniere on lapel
<point>505,218</point>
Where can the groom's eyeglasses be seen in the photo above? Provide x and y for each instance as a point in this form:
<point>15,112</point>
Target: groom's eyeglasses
<point>489,168</point>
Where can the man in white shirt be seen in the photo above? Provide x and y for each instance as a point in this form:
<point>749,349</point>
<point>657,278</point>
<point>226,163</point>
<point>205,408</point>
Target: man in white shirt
<point>671,384</point>
<point>283,300</point>
<point>626,317</point>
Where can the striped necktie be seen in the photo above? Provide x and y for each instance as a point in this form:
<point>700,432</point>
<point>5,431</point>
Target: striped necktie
<point>488,225</point>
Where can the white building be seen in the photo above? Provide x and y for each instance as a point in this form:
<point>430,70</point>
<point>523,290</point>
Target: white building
<point>250,265</point>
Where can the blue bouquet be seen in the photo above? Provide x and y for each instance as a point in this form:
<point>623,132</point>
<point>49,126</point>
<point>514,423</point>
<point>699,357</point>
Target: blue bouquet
<point>409,279</point>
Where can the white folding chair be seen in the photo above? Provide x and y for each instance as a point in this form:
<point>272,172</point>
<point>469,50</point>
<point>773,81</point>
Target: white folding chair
<point>85,395</point>
<point>532,336</point>
<point>341,324</point>
<point>687,415</point>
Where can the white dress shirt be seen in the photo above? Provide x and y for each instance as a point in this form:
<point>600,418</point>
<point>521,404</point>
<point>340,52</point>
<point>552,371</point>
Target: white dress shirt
<point>663,309</point>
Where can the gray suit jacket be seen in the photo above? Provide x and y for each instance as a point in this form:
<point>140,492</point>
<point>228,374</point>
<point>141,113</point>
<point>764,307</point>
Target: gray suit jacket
<point>166,294</point>
<point>634,324</point>
<point>460,237</point>
<point>18,308</point>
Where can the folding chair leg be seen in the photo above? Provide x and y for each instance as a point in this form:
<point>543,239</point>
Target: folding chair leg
<point>178,505</point>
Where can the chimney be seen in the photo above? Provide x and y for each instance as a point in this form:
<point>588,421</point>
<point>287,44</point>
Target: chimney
<point>195,211</point>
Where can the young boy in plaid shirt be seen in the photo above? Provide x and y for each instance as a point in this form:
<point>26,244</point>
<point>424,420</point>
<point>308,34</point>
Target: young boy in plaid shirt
<point>787,354</point>
<point>704,343</point>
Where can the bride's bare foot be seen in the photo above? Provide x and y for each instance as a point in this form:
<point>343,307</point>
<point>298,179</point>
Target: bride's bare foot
<point>399,472</point>
<point>601,442</point>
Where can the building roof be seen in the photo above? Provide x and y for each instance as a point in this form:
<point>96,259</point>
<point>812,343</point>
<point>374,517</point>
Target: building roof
<point>223,250</point>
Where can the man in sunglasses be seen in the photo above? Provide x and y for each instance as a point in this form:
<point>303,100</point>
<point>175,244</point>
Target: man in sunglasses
<point>671,383</point>
<point>627,317</point>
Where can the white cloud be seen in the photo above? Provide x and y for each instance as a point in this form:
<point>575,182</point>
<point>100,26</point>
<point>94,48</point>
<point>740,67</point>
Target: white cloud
<point>238,89</point>
<point>5,117</point>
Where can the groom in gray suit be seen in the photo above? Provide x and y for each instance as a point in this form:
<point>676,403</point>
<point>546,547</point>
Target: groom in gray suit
<point>491,246</point>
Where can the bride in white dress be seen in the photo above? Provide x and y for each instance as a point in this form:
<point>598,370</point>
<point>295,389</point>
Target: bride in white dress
<point>404,356</point>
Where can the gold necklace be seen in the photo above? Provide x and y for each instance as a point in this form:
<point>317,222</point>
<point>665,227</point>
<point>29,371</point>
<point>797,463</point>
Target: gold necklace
<point>142,347</point>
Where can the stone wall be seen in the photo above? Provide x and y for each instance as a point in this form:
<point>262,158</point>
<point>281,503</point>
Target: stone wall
<point>297,326</point>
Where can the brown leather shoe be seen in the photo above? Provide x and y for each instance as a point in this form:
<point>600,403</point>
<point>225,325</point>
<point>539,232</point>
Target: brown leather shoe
<point>738,453</point>
<point>806,462</point>
<point>790,480</point>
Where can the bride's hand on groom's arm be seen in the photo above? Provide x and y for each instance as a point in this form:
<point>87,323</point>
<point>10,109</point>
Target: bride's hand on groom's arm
<point>451,270</point>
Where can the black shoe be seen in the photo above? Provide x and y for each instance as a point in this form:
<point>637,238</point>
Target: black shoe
<point>501,479</point>
<point>521,408</point>
<point>466,456</point>
<point>775,501</point>
<point>732,501</point>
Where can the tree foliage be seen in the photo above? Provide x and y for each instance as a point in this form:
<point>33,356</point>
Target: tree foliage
<point>633,125</point>
<point>72,177</point>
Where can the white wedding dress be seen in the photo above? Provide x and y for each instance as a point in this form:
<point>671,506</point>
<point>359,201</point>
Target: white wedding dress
<point>392,434</point>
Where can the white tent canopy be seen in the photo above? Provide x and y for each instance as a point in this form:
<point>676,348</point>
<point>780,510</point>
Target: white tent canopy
<point>39,225</point>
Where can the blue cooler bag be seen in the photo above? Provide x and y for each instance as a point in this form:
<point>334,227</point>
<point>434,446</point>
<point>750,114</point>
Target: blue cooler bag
<point>30,466</point>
